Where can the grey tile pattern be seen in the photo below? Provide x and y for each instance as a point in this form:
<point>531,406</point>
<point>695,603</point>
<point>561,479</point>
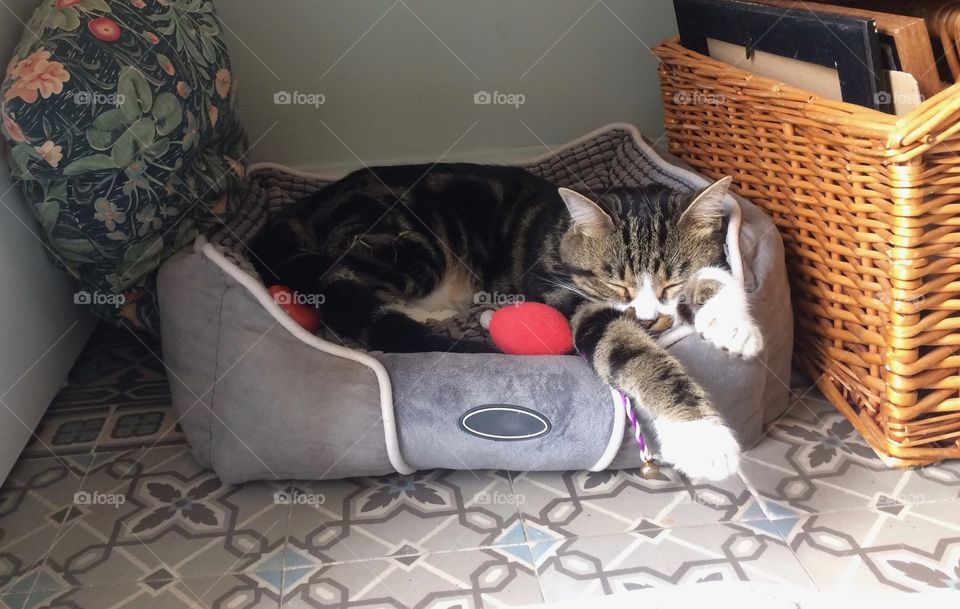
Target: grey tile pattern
<point>35,500</point>
<point>473,578</point>
<point>68,432</point>
<point>107,508</point>
<point>247,591</point>
<point>812,461</point>
<point>572,504</point>
<point>907,547</point>
<point>585,567</point>
<point>155,514</point>
<point>434,511</point>
<point>117,398</point>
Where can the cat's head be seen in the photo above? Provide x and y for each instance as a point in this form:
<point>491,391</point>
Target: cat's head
<point>638,247</point>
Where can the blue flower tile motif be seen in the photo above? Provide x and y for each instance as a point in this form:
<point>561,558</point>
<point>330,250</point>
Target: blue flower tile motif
<point>78,432</point>
<point>137,425</point>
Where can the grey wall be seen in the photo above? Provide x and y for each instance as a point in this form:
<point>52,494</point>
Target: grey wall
<point>41,330</point>
<point>399,77</point>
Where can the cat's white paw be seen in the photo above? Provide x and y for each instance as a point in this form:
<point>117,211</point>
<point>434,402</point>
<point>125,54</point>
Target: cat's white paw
<point>727,324</point>
<point>700,449</point>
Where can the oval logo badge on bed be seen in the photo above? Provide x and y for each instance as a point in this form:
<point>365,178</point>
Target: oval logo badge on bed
<point>504,422</point>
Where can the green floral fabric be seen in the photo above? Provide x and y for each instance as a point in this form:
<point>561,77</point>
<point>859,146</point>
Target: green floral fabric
<point>121,125</point>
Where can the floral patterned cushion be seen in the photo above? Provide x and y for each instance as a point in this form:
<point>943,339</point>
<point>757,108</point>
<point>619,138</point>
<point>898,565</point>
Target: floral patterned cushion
<point>120,119</point>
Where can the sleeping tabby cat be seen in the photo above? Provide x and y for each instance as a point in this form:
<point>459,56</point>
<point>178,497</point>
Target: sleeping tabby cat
<point>384,245</point>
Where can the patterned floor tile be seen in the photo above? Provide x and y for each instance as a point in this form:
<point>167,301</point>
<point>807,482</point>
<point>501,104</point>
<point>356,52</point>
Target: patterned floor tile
<point>34,501</point>
<point>501,577</point>
<point>155,514</point>
<point>67,432</point>
<point>116,367</point>
<point>813,461</point>
<point>246,591</point>
<point>594,566</point>
<point>901,547</point>
<point>555,505</point>
<point>137,426</point>
<point>364,518</point>
<point>149,528</point>
<point>14,601</point>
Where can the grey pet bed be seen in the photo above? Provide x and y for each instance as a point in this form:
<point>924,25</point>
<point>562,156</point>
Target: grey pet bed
<point>260,398</point>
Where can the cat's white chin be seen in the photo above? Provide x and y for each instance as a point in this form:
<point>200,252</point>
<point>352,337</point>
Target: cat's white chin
<point>704,448</point>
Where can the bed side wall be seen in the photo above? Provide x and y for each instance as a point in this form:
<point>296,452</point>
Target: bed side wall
<point>280,409</point>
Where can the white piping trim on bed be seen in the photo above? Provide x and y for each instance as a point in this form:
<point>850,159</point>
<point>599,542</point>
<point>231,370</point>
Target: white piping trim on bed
<point>259,292</point>
<point>616,434</point>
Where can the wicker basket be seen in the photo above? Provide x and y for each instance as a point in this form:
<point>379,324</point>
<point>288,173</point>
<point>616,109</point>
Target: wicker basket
<point>868,205</point>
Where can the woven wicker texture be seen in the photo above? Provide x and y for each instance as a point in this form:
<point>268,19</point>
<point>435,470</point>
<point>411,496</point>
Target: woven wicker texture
<point>867,207</point>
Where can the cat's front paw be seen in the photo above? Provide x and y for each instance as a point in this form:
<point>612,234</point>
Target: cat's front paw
<point>729,327</point>
<point>704,448</point>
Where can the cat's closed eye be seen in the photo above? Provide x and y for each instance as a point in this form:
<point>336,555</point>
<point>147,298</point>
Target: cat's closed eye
<point>622,289</point>
<point>671,290</point>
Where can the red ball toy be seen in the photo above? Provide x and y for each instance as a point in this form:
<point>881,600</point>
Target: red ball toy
<point>304,315</point>
<point>531,328</point>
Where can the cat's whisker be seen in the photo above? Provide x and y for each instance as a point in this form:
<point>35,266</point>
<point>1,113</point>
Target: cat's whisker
<point>568,287</point>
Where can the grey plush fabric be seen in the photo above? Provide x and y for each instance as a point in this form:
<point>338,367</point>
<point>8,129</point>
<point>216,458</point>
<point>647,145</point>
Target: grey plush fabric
<point>258,403</point>
<point>431,392</point>
<point>269,406</point>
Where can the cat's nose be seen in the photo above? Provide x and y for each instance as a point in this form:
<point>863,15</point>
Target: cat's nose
<point>645,316</point>
<point>632,312</point>
<point>657,324</point>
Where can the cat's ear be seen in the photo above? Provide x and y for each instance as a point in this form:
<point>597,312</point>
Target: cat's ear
<point>584,213</point>
<point>706,210</point>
